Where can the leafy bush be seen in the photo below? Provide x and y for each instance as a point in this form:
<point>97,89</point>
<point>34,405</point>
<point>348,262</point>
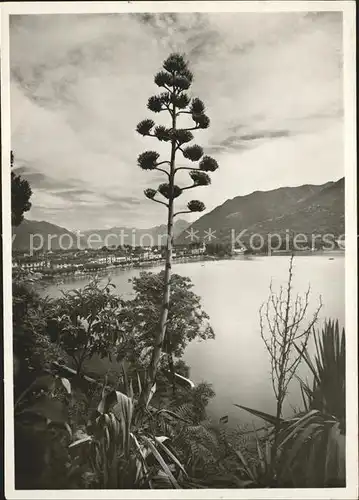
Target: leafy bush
<point>85,322</point>
<point>186,318</point>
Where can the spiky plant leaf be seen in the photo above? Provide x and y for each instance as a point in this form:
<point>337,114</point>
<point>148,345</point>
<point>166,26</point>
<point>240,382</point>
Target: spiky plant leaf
<point>66,383</point>
<point>327,392</point>
<point>81,441</point>
<point>170,454</point>
<point>250,473</point>
<point>151,394</point>
<point>161,461</point>
<point>271,419</point>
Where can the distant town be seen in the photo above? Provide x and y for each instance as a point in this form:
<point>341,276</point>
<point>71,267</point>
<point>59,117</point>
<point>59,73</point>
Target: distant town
<point>58,262</point>
<point>52,263</point>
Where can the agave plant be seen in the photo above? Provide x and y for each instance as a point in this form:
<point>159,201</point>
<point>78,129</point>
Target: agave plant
<point>310,450</point>
<point>327,392</point>
<point>122,444</point>
<point>260,473</point>
<point>326,397</point>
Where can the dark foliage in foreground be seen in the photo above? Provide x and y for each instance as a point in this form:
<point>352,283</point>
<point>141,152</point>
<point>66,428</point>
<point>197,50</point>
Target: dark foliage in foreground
<point>86,430</point>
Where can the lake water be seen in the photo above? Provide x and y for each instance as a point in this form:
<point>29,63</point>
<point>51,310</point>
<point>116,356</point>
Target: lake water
<point>232,291</point>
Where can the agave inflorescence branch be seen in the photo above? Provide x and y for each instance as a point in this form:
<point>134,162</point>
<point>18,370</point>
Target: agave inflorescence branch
<point>175,78</point>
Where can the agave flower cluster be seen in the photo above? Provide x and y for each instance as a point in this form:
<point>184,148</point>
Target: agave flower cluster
<point>175,79</point>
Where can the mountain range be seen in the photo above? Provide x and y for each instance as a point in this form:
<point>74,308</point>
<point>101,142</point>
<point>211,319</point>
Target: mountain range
<point>308,209</point>
<point>39,232</point>
<point>153,236</point>
<point>36,234</point>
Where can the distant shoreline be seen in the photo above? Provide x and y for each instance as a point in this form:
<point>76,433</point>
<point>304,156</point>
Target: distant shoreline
<point>71,275</point>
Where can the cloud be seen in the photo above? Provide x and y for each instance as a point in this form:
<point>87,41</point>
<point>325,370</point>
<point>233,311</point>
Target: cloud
<point>272,84</point>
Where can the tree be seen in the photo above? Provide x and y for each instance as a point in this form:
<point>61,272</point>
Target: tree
<point>283,324</point>
<point>20,196</point>
<point>220,249</point>
<point>186,319</point>
<point>175,79</point>
<point>33,352</point>
<point>84,323</point>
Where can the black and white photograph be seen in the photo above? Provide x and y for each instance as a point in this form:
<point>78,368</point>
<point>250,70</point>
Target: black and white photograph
<point>179,241</point>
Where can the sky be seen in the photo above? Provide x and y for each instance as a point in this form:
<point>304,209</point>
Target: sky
<point>271,82</point>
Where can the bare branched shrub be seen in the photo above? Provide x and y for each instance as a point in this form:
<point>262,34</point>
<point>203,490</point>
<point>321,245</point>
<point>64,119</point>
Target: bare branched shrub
<point>283,324</point>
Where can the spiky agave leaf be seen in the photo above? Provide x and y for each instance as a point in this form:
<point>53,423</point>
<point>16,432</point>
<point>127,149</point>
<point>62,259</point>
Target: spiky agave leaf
<point>164,189</point>
<point>271,419</point>
<point>196,206</point>
<point>160,440</point>
<point>193,153</point>
<point>200,178</point>
<point>313,450</point>
<point>327,392</point>
<point>145,126</point>
<point>208,164</point>
<point>151,446</point>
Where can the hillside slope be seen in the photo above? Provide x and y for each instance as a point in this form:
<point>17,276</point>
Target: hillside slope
<point>53,236</point>
<point>35,233</point>
<point>303,209</point>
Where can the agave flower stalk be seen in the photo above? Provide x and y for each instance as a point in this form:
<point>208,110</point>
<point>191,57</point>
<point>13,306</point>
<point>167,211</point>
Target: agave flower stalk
<point>175,78</point>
